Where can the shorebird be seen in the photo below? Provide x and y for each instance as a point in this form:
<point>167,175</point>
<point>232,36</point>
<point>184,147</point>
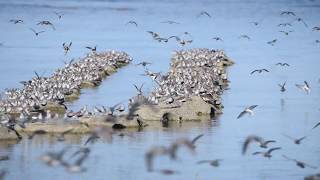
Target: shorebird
<point>153,34</point>
<point>77,166</point>
<point>282,87</point>
<point>143,63</point>
<point>255,23</point>
<point>66,47</point>
<point>305,87</point>
<point>132,22</point>
<point>272,42</point>
<point>190,144</point>
<point>295,140</point>
<point>253,138</point>
<point>214,163</point>
<point>282,64</point>
<point>315,126</point>
<point>152,153</point>
<point>61,136</point>
<point>59,14</point>
<point>139,90</point>
<point>92,138</point>
<point>170,22</point>
<point>247,110</point>
<point>259,71</point>
<point>316,28</point>
<point>284,24</point>
<point>202,13</point>
<point>302,21</point>
<point>168,171</point>
<point>286,32</point>
<point>93,49</point>
<point>267,154</point>
<point>217,38</point>
<point>54,158</point>
<point>16,21</point>
<point>317,41</point>
<point>46,23</point>
<point>287,13</point>
<point>245,37</point>
<point>299,163</point>
<point>35,32</point>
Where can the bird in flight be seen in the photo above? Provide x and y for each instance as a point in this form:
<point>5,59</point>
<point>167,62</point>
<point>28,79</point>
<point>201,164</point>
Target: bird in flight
<point>132,22</point>
<point>302,21</point>
<point>288,13</point>
<point>59,14</point>
<point>143,63</point>
<point>16,21</point>
<point>282,87</point>
<point>217,38</point>
<point>316,28</point>
<point>315,126</point>
<point>245,37</point>
<point>214,163</point>
<point>267,154</point>
<point>286,32</point>
<point>299,163</point>
<point>282,64</point>
<point>305,87</point>
<point>170,22</point>
<point>204,13</point>
<point>284,24</point>
<point>247,110</point>
<point>66,47</point>
<point>259,71</point>
<point>93,49</point>
<point>272,42</point>
<point>295,140</point>
<point>253,138</point>
<point>35,32</point>
<point>255,23</point>
<point>46,23</point>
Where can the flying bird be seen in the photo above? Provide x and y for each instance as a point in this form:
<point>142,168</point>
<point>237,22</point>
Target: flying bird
<point>143,63</point>
<point>286,32</point>
<point>272,42</point>
<point>284,24</point>
<point>259,71</point>
<point>132,22</point>
<point>93,49</point>
<point>59,14</point>
<point>282,87</point>
<point>245,37</point>
<point>217,38</point>
<point>282,64</point>
<point>316,28</point>
<point>35,32</point>
<point>266,154</point>
<point>299,163</point>
<point>295,140</point>
<point>139,90</point>
<point>305,87</point>
<point>302,21</point>
<point>287,13</point>
<point>247,110</point>
<point>170,22</point>
<point>16,21</point>
<point>66,47</point>
<point>46,23</point>
<point>253,138</point>
<point>255,23</point>
<point>214,163</point>
<point>202,13</point>
<point>153,34</point>
<point>315,126</point>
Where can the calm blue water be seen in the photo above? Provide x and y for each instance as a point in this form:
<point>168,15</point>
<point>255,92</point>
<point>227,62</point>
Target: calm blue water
<point>103,23</point>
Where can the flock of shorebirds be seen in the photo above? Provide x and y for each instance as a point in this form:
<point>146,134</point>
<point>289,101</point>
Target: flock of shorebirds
<point>80,154</point>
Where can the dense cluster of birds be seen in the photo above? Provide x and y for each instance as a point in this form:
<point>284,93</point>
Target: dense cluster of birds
<point>195,72</point>
<point>30,101</point>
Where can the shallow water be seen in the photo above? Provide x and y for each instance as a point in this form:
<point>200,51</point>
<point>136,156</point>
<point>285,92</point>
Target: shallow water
<point>102,23</point>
